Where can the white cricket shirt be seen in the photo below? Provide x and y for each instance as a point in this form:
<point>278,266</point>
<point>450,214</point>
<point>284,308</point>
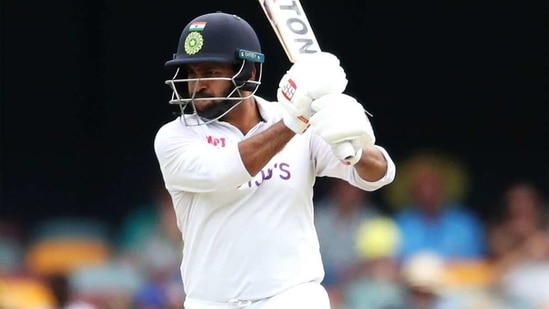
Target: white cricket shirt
<point>246,237</point>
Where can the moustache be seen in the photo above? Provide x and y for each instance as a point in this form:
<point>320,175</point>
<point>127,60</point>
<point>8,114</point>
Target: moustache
<point>203,94</point>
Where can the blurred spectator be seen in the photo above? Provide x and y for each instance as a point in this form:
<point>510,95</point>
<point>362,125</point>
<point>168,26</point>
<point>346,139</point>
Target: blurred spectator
<point>12,249</point>
<point>61,245</point>
<point>521,234</point>
<point>337,218</point>
<point>160,295</point>
<point>423,276</point>
<point>431,216</point>
<point>149,235</point>
<point>111,285</point>
<point>150,240</point>
<point>430,283</point>
<point>519,245</point>
<point>376,284</point>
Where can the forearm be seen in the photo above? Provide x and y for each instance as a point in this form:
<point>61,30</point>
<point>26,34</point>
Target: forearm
<point>257,150</point>
<point>372,166</point>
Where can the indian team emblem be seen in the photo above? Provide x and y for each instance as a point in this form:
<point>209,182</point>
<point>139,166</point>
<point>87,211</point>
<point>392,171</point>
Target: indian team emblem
<point>193,43</point>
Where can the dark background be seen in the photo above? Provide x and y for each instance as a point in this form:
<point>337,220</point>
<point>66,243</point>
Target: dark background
<point>83,92</point>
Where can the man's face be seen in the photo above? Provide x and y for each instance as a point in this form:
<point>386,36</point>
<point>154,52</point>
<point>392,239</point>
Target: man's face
<point>209,88</point>
<point>428,189</point>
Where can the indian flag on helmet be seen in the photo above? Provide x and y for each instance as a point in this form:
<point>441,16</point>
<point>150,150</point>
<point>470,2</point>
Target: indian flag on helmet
<point>197,26</point>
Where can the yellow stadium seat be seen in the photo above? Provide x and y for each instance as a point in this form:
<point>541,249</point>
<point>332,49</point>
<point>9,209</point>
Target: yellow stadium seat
<point>25,293</point>
<point>469,274</point>
<point>60,256</point>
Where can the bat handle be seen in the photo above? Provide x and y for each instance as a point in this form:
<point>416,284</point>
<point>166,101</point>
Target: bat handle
<point>345,151</point>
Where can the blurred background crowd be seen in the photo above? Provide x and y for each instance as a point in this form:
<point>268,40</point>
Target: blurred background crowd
<point>84,223</point>
<point>419,246</point>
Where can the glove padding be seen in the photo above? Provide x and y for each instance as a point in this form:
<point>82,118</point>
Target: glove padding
<point>309,78</point>
<point>339,117</point>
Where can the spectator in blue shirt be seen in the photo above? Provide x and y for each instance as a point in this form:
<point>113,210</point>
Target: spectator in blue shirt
<point>435,220</point>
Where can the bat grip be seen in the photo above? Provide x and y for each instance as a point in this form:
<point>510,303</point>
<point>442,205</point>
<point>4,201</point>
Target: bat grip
<point>345,151</point>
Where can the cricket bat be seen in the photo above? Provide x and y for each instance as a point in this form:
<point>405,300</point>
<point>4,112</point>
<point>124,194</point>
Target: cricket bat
<point>297,38</point>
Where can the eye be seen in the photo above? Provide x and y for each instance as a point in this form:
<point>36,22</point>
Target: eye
<point>191,74</point>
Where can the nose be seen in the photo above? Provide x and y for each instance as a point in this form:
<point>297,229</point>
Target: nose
<point>197,85</point>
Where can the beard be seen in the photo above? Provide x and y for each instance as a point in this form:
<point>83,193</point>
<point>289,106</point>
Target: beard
<point>213,109</point>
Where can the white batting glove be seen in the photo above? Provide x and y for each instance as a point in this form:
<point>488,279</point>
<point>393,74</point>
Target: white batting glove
<point>339,117</point>
<point>308,79</point>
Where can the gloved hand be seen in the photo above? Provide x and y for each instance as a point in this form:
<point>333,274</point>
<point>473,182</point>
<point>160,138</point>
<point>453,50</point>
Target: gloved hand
<point>309,78</point>
<point>339,117</point>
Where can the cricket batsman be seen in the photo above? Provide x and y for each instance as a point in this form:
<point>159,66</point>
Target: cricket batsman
<point>241,169</point>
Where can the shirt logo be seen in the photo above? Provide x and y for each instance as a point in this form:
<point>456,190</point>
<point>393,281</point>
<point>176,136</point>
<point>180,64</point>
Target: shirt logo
<point>216,141</point>
<point>277,171</point>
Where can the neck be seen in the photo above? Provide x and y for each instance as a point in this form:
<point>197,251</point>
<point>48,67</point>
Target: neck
<point>245,116</point>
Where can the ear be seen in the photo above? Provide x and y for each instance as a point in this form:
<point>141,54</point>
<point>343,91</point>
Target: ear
<point>249,73</point>
<point>254,72</point>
